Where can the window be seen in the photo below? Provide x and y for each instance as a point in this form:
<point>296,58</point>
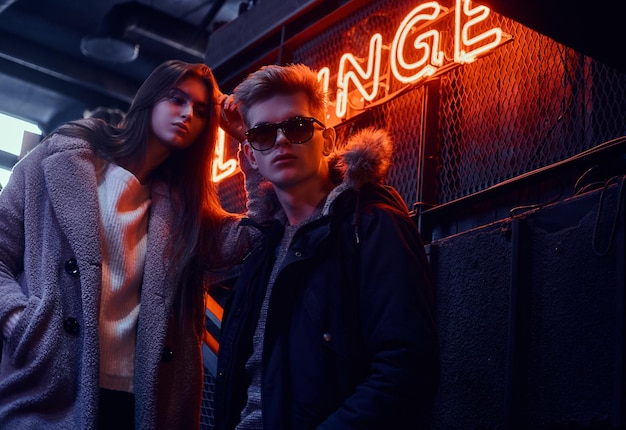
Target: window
<point>11,142</point>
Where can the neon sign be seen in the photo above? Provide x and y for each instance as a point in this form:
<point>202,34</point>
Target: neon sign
<point>222,168</point>
<point>372,73</point>
<point>482,42</point>
<point>426,55</point>
<point>409,65</point>
<point>432,56</point>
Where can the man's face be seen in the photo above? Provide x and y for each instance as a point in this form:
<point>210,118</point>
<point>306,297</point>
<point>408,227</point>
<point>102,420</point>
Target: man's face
<point>287,165</point>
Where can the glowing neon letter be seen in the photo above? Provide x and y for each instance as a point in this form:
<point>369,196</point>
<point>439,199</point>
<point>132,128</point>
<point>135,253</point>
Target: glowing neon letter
<point>432,56</point>
<point>372,73</point>
<point>323,76</point>
<point>462,38</point>
<point>222,168</point>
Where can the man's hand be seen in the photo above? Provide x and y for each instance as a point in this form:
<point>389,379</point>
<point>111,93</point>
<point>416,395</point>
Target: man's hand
<point>230,118</point>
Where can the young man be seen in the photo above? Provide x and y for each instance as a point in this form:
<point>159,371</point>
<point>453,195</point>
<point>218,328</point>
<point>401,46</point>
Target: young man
<point>331,324</point>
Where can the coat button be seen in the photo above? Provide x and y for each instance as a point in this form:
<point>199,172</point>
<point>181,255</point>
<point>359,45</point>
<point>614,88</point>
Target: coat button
<point>71,325</point>
<point>298,254</point>
<point>71,267</point>
<point>167,355</point>
<point>327,337</point>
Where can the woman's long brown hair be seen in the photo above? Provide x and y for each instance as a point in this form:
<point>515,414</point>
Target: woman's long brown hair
<point>188,173</point>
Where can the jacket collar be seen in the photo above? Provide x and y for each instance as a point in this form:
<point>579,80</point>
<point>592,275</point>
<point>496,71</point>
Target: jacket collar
<point>71,183</point>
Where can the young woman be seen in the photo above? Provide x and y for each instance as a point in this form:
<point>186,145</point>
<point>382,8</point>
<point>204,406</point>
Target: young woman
<point>102,232</point>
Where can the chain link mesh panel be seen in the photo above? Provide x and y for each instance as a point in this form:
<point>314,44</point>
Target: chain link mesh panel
<point>529,103</point>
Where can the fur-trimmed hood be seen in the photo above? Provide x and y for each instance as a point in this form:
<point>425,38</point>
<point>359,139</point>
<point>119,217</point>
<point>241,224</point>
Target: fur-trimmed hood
<point>365,159</point>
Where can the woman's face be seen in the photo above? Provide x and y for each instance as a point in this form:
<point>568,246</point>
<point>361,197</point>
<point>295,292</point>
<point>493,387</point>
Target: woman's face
<point>180,117</point>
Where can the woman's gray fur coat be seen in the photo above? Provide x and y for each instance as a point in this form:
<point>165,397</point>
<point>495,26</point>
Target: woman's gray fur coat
<point>49,216</point>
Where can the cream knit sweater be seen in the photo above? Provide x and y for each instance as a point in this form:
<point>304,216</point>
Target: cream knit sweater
<point>124,204</point>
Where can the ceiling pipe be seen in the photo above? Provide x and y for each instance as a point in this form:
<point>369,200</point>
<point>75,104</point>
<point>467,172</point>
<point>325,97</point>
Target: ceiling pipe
<point>132,26</point>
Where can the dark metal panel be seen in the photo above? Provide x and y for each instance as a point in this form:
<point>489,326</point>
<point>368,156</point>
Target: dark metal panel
<point>531,335</point>
<point>268,34</point>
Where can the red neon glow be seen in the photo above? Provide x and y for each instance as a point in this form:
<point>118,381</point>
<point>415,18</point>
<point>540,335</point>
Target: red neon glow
<point>323,76</point>
<point>431,57</point>
<point>222,168</point>
<point>427,58</point>
<point>462,39</point>
<point>372,73</point>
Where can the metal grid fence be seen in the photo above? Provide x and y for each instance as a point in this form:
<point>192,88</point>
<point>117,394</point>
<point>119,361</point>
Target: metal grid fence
<point>528,104</point>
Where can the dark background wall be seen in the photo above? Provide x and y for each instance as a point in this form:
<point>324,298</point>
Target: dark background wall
<point>531,317</point>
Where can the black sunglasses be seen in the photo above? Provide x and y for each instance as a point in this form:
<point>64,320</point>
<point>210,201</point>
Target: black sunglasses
<point>299,129</point>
